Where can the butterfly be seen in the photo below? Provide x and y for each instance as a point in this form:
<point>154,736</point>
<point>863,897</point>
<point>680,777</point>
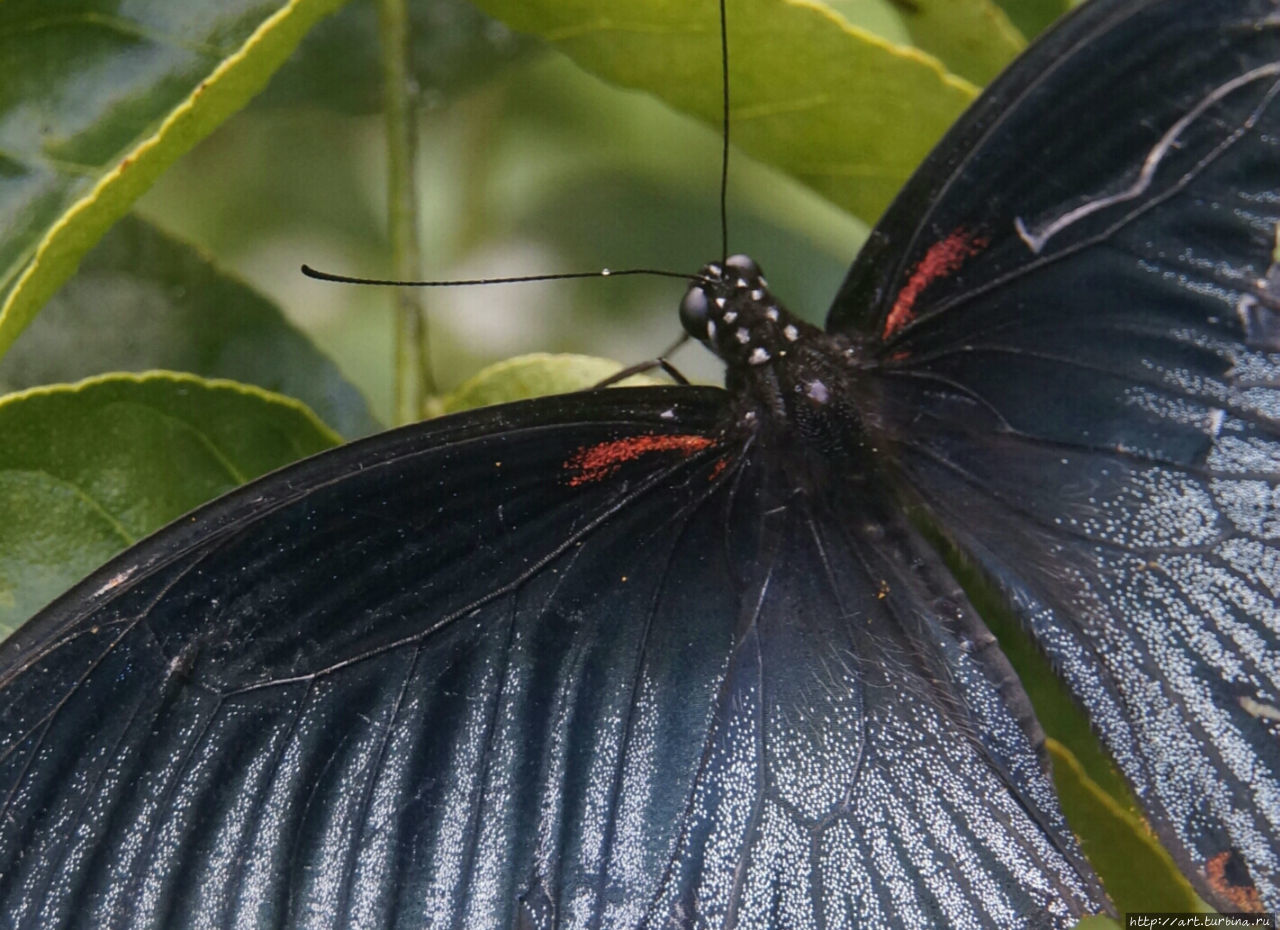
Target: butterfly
<point>677,656</point>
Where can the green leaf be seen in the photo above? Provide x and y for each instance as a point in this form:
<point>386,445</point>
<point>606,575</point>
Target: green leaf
<point>88,469</point>
<point>143,300</point>
<point>96,102</point>
<point>453,48</point>
<point>1137,872</point>
<point>1099,922</point>
<point>1032,17</point>
<point>883,17</point>
<point>843,110</point>
<point>973,38</point>
<point>534,375</point>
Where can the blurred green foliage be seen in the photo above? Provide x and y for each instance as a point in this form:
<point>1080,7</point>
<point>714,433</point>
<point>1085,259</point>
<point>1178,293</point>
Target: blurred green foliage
<point>541,169</point>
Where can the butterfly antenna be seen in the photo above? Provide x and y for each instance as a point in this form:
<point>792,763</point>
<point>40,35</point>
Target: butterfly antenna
<point>604,272</point>
<point>724,133</point>
<point>519,279</point>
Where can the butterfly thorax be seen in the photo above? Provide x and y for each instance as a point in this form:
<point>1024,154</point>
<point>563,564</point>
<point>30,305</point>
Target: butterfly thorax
<point>790,378</point>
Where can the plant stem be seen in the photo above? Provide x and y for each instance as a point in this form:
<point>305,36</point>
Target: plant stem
<point>413,381</point>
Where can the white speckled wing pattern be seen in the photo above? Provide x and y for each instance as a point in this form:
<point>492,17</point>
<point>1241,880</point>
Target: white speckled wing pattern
<point>1153,586</point>
<point>686,696</point>
<point>1079,371</point>
<point>869,766</point>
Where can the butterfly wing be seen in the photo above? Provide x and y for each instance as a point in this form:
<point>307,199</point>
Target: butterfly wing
<point>361,692</point>
<point>1074,316</point>
<point>583,662</point>
<point>878,765</point>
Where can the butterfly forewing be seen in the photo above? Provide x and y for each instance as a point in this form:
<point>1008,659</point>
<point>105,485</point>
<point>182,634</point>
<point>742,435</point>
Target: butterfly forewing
<point>1076,338</point>
<point>402,685</point>
<point>582,663</point>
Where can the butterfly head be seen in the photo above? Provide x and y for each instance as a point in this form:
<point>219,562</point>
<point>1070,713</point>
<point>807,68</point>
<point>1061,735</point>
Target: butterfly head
<point>785,374</point>
<point>730,310</point>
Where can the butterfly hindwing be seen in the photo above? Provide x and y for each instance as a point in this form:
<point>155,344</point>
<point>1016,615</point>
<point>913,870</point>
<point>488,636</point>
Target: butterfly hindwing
<point>1076,333</point>
<point>887,758</point>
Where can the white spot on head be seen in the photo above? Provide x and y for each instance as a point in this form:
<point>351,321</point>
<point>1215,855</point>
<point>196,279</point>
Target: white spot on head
<point>818,392</point>
<point>758,356</point>
<point>743,335</point>
<point>791,332</point>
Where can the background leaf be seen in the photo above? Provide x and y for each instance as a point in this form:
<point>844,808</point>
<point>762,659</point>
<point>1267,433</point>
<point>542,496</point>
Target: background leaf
<point>1100,922</point>
<point>542,169</point>
<point>97,100</point>
<point>1032,17</point>
<point>846,112</point>
<point>454,49</point>
<point>1135,869</point>
<point>90,468</point>
<point>973,38</point>
<point>534,375</point>
<point>143,300</point>
<point>545,169</point>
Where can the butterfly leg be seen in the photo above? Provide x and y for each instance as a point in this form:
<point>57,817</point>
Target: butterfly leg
<point>641,367</point>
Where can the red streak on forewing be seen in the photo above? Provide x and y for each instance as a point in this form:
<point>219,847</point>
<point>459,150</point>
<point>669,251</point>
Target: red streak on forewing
<point>943,258</point>
<point>595,463</point>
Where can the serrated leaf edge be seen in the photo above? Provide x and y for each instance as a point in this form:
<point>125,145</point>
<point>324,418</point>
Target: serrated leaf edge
<point>226,88</point>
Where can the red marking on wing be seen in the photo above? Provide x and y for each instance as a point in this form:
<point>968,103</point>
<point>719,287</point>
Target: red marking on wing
<point>595,463</point>
<point>943,258</point>
<point>1243,897</point>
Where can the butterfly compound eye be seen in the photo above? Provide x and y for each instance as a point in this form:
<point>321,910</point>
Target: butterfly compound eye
<point>695,313</point>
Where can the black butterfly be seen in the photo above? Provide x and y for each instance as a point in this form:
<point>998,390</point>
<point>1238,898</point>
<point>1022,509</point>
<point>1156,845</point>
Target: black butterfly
<point>673,657</point>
